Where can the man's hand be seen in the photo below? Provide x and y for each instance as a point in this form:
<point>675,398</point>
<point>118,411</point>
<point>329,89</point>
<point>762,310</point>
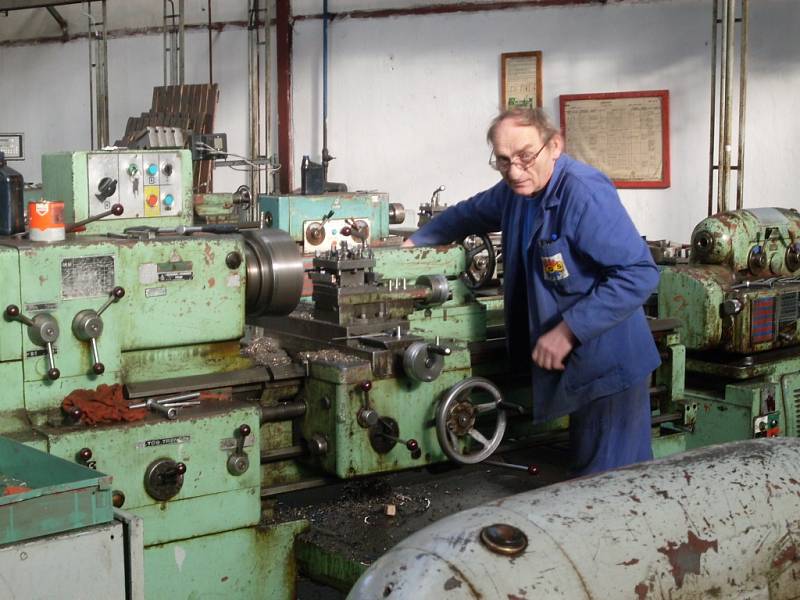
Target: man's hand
<point>553,347</point>
<point>407,243</point>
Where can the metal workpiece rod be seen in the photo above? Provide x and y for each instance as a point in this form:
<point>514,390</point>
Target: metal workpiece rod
<point>168,411</point>
<point>712,112</point>
<point>282,412</point>
<point>742,103</point>
<point>178,398</point>
<point>167,400</point>
<point>181,404</point>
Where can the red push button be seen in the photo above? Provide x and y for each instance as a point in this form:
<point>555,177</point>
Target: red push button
<point>152,200</point>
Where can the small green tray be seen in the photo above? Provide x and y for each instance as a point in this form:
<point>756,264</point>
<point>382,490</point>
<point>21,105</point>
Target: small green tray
<point>63,495</point>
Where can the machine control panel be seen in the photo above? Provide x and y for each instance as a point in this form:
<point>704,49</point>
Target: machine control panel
<point>147,183</point>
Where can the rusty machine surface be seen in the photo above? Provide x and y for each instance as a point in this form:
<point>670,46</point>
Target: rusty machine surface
<point>737,301</point>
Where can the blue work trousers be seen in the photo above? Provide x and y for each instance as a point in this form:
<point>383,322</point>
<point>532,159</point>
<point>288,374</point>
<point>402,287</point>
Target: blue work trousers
<point>612,431</point>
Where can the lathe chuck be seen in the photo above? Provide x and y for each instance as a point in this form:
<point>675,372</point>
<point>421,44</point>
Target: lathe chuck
<point>274,272</point>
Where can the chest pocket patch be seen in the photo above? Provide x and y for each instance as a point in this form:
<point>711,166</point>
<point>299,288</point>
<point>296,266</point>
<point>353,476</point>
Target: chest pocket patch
<point>554,268</point>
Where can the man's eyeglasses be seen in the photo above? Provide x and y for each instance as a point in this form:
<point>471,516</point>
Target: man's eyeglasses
<point>523,160</point>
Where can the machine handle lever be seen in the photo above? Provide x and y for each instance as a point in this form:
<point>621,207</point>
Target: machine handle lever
<point>88,326</point>
<point>13,313</point>
<point>43,331</point>
<point>411,445</point>
<point>116,210</point>
<point>115,295</point>
<point>530,469</point>
<point>97,367</point>
<point>503,405</point>
<point>438,349</point>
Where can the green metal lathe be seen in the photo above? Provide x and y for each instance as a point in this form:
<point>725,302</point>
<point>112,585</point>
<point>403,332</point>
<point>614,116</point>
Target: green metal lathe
<point>122,303</point>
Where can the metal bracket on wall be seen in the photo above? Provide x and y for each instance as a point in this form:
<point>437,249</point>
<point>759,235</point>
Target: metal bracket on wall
<point>60,20</point>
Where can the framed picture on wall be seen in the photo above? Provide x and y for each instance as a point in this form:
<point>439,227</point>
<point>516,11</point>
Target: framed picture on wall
<point>11,146</point>
<point>521,79</point>
<point>624,134</point>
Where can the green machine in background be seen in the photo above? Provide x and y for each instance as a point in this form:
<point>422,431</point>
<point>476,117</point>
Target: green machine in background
<point>318,221</point>
<point>738,301</point>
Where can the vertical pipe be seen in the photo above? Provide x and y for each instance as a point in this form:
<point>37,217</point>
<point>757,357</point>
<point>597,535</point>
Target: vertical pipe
<point>721,100</point>
<point>164,36</point>
<point>168,50</point>
<point>91,76</point>
<point>256,189</point>
<point>252,92</point>
<point>102,83</point>
<point>730,20</point>
<point>714,29</point>
<point>284,49</point>
<point>267,100</point>
<point>742,104</point>
<point>325,84</point>
<point>181,39</point>
<point>210,52</point>
<point>174,55</point>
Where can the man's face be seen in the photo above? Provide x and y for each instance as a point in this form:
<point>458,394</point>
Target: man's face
<point>515,142</point>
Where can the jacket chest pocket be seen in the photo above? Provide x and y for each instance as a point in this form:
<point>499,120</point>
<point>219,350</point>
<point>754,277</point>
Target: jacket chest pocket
<point>557,266</point>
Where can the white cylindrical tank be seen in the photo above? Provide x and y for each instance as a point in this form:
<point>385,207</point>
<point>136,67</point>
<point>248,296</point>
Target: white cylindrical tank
<point>719,522</point>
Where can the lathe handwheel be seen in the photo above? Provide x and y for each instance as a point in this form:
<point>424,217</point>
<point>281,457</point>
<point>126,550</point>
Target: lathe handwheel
<point>456,416</point>
<point>481,261</point>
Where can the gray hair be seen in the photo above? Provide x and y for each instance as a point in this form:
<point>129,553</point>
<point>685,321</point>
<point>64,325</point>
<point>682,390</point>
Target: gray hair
<point>528,117</point>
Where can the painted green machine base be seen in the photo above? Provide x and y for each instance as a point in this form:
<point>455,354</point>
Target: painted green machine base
<point>328,567</point>
<point>252,562</point>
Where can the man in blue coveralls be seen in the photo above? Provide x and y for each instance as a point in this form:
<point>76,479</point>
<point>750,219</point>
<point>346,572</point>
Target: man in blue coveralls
<point>576,273</point>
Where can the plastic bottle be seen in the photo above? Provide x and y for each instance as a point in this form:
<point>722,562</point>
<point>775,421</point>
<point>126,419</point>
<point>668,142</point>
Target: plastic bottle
<point>12,206</point>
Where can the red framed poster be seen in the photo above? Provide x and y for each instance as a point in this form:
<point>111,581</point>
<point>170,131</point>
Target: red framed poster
<point>624,134</point>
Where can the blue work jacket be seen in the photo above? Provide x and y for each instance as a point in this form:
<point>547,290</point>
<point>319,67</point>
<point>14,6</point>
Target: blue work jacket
<point>586,265</point>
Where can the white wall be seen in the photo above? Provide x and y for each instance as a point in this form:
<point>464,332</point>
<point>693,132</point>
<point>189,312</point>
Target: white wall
<point>410,97</point>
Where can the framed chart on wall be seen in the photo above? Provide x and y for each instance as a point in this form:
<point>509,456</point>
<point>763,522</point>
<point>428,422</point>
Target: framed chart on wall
<point>624,134</point>
<point>520,79</point>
